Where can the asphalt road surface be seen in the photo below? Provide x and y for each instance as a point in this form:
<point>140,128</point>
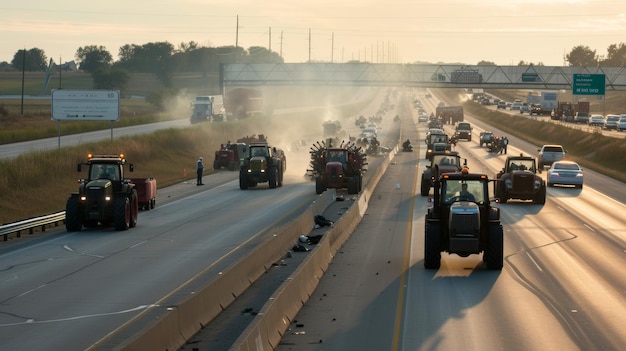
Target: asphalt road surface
<point>562,286</point>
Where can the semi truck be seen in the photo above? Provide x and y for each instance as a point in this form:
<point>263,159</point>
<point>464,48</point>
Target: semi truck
<point>450,114</point>
<point>566,111</point>
<point>207,108</point>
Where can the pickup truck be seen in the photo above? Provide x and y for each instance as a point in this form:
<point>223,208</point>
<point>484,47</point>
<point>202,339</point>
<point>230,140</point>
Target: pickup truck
<point>549,154</point>
<point>463,131</point>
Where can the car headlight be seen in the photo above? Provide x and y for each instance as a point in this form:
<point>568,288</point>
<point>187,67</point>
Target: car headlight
<point>537,184</point>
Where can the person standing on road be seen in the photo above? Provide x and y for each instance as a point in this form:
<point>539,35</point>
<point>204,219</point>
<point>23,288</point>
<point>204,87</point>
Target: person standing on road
<point>505,142</point>
<point>199,170</point>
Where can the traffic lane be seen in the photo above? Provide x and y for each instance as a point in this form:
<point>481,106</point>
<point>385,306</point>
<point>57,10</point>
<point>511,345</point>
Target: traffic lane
<point>608,186</point>
<point>355,304</point>
<point>595,237</point>
<point>574,269</point>
<point>89,283</point>
<point>16,149</point>
<point>445,307</point>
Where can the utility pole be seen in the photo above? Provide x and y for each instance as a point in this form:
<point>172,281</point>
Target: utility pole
<point>23,74</point>
<point>332,47</point>
<point>237,41</point>
<point>270,46</point>
<point>60,70</point>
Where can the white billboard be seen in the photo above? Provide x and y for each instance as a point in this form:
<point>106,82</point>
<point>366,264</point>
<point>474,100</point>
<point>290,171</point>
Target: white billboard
<point>85,105</point>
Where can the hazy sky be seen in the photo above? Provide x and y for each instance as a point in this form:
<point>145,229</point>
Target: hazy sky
<point>501,31</point>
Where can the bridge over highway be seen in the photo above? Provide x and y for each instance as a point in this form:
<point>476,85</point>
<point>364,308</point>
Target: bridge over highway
<point>416,75</point>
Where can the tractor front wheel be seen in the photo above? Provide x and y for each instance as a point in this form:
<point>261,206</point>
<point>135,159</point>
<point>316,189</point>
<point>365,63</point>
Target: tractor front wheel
<point>121,213</point>
<point>72,215</point>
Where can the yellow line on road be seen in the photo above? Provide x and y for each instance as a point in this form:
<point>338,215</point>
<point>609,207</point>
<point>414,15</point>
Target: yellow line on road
<point>405,267</point>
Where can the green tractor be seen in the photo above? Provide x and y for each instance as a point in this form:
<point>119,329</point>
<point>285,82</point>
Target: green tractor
<point>105,197</point>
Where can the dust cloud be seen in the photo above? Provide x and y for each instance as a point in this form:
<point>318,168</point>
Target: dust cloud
<point>296,122</point>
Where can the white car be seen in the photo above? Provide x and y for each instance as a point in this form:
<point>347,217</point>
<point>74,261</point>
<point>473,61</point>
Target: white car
<point>565,173</point>
<point>596,120</point>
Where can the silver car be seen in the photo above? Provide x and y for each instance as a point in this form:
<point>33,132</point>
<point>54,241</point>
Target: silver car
<point>565,173</point>
<point>611,122</point>
<point>621,124</point>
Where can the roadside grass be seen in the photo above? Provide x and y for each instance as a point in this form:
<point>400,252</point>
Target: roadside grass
<point>39,183</point>
<point>606,155</point>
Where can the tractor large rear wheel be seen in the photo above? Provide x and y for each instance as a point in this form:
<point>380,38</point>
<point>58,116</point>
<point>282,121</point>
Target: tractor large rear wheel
<point>494,255</point>
<point>121,213</point>
<point>243,180</point>
<point>72,215</point>
<point>272,175</point>
<point>432,245</point>
<point>353,185</point>
<point>424,187</point>
<point>319,185</point>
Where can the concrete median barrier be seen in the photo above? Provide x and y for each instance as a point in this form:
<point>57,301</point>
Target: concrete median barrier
<point>273,320</point>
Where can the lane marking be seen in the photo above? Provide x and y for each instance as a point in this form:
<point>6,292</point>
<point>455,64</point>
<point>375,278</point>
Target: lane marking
<point>406,260</point>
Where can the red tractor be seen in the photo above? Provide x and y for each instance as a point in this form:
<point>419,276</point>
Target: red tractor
<point>229,156</point>
<point>337,167</point>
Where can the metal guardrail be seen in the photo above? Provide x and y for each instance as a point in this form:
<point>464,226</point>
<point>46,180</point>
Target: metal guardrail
<point>30,225</point>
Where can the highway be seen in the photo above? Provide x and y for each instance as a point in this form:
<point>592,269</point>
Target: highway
<point>562,286</point>
<point>74,290</point>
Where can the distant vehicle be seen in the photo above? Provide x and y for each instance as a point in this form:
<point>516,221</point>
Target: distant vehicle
<point>502,105</point>
<point>535,109</point>
<point>519,180</point>
<point>596,121</point>
<point>486,138</point>
<point>581,117</point>
<point>565,173</point>
<point>463,130</point>
<point>611,122</point>
<point>450,114</point>
<point>207,108</point>
<point>621,124</point>
<point>549,102</point>
<point>524,108</point>
<point>516,106</point>
<point>422,118</point>
<point>548,154</point>
<point>441,162</point>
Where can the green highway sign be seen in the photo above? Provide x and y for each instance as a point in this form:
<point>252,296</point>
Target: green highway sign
<point>531,78</point>
<point>588,84</point>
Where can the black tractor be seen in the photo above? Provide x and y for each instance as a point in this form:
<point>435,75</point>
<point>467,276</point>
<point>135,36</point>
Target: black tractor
<point>462,221</point>
<point>105,197</point>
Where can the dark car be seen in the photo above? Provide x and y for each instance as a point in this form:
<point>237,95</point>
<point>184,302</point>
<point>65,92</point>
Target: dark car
<point>486,138</point>
<point>581,117</point>
<point>535,109</point>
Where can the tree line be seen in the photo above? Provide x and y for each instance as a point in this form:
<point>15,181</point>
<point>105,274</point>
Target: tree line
<point>163,60</point>
<point>159,58</point>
